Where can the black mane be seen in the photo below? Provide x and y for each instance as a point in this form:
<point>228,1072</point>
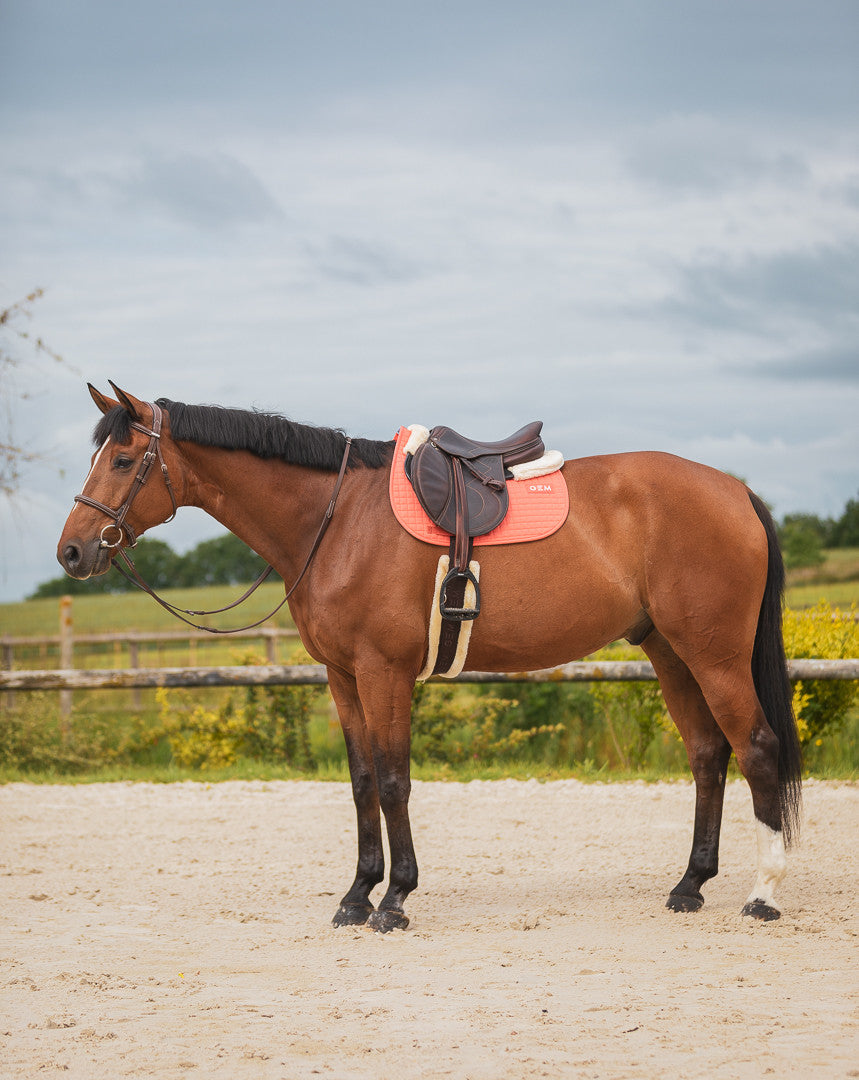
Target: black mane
<point>267,435</point>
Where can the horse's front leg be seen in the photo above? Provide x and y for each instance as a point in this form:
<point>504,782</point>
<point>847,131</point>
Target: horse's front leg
<point>355,907</point>
<point>386,699</point>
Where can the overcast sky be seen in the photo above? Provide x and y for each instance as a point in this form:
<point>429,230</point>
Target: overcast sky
<point>637,220</point>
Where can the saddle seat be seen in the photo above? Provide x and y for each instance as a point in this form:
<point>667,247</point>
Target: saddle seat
<point>523,445</point>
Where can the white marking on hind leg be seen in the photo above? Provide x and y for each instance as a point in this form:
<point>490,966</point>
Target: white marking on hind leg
<point>772,864</point>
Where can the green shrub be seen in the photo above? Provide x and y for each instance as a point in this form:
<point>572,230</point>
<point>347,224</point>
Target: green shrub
<point>573,732</point>
<point>451,724</point>
<point>34,739</point>
<point>633,713</point>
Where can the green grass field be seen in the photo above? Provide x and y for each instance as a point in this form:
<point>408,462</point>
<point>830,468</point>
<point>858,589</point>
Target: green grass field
<point>123,611</point>
<point>836,580</point>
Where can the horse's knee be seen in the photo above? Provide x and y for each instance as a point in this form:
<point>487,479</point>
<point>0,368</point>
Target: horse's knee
<point>363,785</point>
<point>708,759</point>
<point>394,792</point>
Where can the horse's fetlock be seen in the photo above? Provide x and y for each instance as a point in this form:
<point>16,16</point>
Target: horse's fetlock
<point>370,873</point>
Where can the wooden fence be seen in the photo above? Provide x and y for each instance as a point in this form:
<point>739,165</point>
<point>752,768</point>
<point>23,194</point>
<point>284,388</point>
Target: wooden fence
<point>315,674</point>
<point>133,639</point>
<point>68,678</point>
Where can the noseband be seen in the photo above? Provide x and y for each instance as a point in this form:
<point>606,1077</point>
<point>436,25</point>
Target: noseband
<point>153,454</point>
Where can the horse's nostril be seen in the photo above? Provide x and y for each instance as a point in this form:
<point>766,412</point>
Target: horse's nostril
<point>71,555</point>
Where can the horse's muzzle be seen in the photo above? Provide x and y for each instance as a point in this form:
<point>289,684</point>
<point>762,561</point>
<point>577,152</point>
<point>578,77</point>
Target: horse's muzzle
<point>83,558</point>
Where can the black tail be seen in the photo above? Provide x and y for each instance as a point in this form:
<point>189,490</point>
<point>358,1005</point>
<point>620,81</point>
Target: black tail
<point>769,670</point>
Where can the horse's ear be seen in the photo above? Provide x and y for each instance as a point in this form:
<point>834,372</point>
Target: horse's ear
<point>103,404</point>
<point>131,405</point>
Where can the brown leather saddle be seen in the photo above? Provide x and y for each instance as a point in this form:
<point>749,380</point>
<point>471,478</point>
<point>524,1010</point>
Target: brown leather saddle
<point>462,486</point>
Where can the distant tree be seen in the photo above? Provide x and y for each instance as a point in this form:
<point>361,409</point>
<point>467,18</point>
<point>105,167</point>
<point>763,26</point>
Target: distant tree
<point>156,562</point>
<point>226,560</point>
<point>801,544</point>
<point>822,528</point>
<point>845,531</point>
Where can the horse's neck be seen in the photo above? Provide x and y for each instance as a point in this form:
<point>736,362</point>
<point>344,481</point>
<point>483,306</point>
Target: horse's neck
<point>275,508</point>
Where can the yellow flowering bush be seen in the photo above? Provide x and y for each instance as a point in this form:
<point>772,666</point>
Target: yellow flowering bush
<point>827,633</point>
<point>199,737</point>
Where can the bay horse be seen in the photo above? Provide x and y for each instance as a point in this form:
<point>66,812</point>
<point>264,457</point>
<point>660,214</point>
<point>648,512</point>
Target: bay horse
<point>676,555</point>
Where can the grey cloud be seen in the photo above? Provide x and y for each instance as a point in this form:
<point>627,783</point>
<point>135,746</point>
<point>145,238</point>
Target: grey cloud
<point>209,191</point>
<point>362,262</point>
<point>819,285</point>
<point>546,66</point>
<point>697,157</point>
<point>837,364</point>
<point>849,191</point>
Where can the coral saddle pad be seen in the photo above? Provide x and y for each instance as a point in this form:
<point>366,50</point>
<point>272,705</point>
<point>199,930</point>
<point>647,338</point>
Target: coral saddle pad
<point>537,507</point>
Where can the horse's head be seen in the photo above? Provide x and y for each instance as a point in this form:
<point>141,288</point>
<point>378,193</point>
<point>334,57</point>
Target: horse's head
<point>117,503</point>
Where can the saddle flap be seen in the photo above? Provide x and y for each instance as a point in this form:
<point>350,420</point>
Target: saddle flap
<point>431,473</point>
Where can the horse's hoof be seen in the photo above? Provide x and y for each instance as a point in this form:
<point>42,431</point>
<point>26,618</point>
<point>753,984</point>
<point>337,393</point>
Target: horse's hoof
<point>387,920</point>
<point>352,914</point>
<point>682,902</point>
<point>757,909</point>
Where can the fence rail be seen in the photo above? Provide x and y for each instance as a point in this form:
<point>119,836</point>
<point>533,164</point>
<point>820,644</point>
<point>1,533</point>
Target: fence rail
<point>315,674</point>
<point>167,636</point>
<point>67,641</point>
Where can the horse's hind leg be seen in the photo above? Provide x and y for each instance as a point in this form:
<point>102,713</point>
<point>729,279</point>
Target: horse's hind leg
<point>729,691</point>
<point>355,907</point>
<point>735,705</point>
<point>708,751</point>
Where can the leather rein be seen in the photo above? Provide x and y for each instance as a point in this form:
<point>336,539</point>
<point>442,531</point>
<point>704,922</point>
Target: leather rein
<point>119,522</point>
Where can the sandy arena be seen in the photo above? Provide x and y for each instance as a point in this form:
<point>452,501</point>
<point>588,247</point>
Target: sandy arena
<point>184,931</point>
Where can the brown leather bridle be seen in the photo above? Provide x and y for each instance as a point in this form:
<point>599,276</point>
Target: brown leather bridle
<point>152,454</point>
<point>119,522</point>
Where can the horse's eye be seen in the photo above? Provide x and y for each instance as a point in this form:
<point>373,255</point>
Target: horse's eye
<point>122,462</point>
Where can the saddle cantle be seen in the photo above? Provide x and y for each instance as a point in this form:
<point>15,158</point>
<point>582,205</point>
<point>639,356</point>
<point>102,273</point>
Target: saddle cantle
<point>461,484</point>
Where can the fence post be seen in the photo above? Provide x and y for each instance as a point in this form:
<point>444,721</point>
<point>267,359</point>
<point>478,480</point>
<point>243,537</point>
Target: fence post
<point>67,661</point>
<point>134,661</point>
<point>8,664</point>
